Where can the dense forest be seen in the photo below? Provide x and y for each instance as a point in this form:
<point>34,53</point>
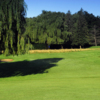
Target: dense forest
<point>51,30</point>
<point>60,30</point>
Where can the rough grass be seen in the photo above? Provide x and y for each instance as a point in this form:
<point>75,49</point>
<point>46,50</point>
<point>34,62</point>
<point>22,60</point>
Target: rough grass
<point>56,50</point>
<point>64,76</point>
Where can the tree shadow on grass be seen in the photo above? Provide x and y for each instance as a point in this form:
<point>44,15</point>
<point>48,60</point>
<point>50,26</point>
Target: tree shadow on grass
<point>23,68</point>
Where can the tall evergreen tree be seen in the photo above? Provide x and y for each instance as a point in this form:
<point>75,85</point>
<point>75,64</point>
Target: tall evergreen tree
<point>80,36</point>
<point>68,25</point>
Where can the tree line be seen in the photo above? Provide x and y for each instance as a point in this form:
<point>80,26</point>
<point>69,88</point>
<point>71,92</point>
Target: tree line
<point>50,28</point>
<point>18,34</point>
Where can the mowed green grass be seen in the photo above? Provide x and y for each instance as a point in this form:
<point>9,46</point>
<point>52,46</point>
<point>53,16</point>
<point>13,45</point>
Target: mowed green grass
<point>70,76</point>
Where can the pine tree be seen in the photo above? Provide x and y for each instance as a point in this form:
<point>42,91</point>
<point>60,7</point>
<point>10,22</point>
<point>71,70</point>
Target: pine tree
<point>80,36</point>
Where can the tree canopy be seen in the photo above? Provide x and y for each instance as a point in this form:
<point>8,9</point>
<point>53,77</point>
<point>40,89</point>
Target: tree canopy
<point>12,20</point>
<point>18,33</point>
<point>59,28</point>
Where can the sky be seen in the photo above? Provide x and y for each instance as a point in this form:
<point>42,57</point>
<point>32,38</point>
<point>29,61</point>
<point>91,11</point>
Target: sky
<point>35,7</point>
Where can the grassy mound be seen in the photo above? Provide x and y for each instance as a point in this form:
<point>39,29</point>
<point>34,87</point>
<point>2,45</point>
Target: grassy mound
<point>95,47</point>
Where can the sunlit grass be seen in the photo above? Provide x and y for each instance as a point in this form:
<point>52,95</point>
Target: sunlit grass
<point>74,76</point>
<point>95,47</point>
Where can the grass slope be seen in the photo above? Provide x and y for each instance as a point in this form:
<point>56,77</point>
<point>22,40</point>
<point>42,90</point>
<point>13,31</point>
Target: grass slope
<point>95,47</point>
<point>52,76</point>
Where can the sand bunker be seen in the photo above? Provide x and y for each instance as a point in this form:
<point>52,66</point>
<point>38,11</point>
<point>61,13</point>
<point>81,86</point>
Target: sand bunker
<point>6,60</point>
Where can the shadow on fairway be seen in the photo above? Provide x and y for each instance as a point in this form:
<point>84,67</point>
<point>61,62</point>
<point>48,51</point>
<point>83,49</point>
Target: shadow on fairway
<point>23,68</point>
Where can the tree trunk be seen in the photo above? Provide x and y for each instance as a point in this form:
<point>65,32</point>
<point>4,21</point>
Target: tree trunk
<point>95,34</point>
<point>61,46</point>
<point>80,47</point>
<point>18,46</point>
<point>47,46</point>
<point>95,40</point>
